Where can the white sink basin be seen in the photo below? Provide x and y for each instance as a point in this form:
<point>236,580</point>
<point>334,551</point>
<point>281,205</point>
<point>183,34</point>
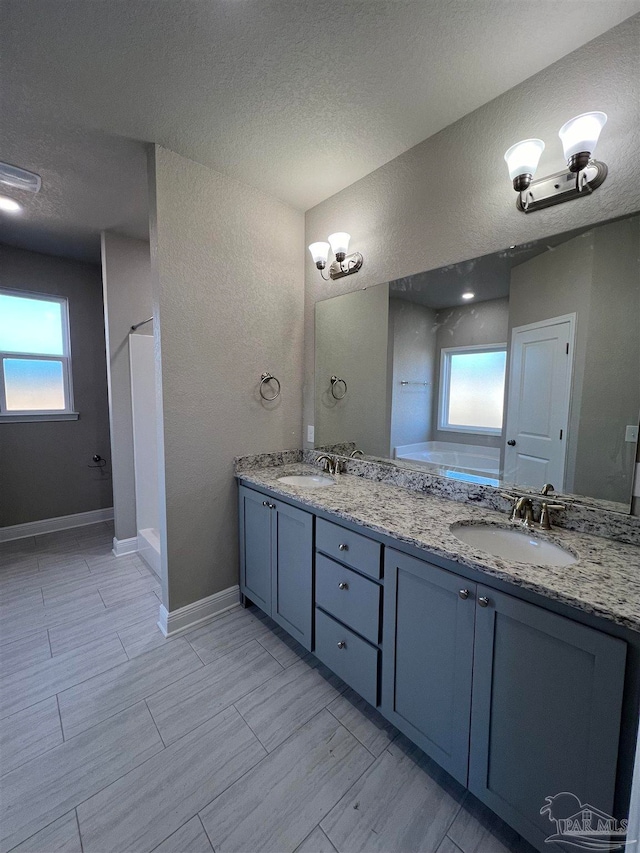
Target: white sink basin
<point>520,545</point>
<point>307,480</point>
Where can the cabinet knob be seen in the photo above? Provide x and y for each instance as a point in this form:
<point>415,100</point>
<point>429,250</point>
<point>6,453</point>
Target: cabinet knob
<point>265,503</point>
<point>343,547</point>
<point>512,442</point>
<point>463,593</point>
<point>343,585</point>
<point>342,644</point>
<point>483,601</point>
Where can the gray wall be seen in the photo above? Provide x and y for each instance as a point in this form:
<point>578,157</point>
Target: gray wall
<point>44,469</point>
<point>353,331</point>
<point>126,279</point>
<point>412,340</point>
<point>465,326</point>
<point>228,292</point>
<point>449,198</point>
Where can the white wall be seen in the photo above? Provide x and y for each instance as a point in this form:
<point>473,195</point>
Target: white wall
<point>228,294</point>
<point>450,199</point>
<point>145,442</point>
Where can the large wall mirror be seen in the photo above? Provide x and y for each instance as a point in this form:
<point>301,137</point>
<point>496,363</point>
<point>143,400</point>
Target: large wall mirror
<point>521,367</point>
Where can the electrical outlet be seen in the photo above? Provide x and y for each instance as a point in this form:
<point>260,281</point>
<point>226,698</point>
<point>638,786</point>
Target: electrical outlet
<point>631,433</point>
<point>310,432</point>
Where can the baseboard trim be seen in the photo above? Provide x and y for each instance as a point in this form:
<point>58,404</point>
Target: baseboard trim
<point>124,546</point>
<point>52,525</point>
<point>198,613</point>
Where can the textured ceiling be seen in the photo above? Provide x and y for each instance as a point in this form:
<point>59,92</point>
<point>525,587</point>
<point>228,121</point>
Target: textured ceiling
<point>299,99</point>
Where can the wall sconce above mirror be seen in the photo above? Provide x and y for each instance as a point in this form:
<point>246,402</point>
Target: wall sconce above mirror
<point>582,176</point>
<point>343,264</point>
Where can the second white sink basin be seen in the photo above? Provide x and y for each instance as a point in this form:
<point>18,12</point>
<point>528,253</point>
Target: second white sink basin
<point>308,480</point>
<point>519,545</point>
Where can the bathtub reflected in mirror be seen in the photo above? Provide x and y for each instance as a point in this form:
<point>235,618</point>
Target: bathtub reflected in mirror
<point>521,367</point>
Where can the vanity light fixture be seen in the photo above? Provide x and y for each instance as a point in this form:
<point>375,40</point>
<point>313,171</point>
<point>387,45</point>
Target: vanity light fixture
<point>343,264</point>
<point>582,176</point>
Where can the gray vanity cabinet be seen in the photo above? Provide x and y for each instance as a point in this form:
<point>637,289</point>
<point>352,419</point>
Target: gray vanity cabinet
<point>276,561</point>
<point>547,697</point>
<point>427,657</point>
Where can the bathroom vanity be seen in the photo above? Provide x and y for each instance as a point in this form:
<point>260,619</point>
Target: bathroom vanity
<point>520,680</point>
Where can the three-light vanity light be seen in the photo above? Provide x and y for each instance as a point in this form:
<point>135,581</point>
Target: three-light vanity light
<point>343,264</point>
<point>583,175</point>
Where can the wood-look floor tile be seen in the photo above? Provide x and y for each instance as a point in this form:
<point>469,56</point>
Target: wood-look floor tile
<point>24,652</point>
<point>45,788</point>
<point>143,637</point>
<point>287,701</point>
<point>207,691</point>
<point>17,547</point>
<point>54,588</point>
<point>25,687</point>
<point>275,807</point>
<point>61,836</point>
<point>447,846</point>
<point>316,842</point>
<point>76,634</point>
<point>147,805</point>
<point>36,578</point>
<point>477,829</point>
<point>190,838</point>
<point>13,600</point>
<point>419,804</point>
<point>100,697</point>
<point>281,645</point>
<point>28,733</point>
<point>26,621</point>
<point>226,633</point>
<point>113,593</point>
<point>363,721</point>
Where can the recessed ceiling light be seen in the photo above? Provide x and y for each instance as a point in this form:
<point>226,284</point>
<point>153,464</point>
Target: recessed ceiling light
<point>468,295</point>
<point>9,205</point>
<point>19,179</point>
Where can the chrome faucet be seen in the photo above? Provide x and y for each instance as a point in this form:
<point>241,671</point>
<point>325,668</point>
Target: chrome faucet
<point>331,464</point>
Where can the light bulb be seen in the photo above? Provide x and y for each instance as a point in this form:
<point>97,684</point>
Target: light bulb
<point>522,161</point>
<point>319,253</point>
<point>339,244</point>
<point>579,138</point>
<point>468,294</point>
<point>9,205</point>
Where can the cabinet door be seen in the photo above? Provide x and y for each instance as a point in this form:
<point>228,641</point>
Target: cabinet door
<point>255,547</point>
<point>291,583</point>
<point>427,657</point>
<point>547,695</point>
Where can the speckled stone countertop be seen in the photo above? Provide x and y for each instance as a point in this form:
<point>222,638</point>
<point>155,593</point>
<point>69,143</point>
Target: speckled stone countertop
<point>603,582</point>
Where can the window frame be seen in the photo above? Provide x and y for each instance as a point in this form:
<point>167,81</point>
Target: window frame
<point>445,384</point>
<point>35,415</point>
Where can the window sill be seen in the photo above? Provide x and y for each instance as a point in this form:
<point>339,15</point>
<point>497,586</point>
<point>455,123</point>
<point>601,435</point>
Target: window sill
<point>35,418</point>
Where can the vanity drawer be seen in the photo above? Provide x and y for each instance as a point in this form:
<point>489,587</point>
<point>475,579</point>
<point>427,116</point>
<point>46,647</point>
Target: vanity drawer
<point>348,655</point>
<point>351,548</point>
<point>349,597</point>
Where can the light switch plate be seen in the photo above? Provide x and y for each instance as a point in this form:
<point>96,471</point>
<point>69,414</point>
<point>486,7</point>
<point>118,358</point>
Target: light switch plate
<point>311,432</point>
<point>631,433</point>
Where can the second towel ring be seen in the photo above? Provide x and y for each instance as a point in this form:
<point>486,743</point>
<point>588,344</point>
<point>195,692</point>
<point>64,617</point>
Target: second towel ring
<point>267,377</point>
<point>336,381</point>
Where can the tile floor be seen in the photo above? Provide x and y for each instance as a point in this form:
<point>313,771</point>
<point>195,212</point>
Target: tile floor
<point>229,738</point>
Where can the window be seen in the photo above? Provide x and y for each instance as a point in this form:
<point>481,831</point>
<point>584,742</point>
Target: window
<point>35,358</point>
<point>472,389</point>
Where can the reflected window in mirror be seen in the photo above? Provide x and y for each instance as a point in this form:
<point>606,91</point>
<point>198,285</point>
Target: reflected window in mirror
<point>472,389</point>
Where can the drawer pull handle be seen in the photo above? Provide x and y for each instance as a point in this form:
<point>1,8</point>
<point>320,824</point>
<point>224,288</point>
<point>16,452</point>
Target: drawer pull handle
<point>342,644</point>
<point>343,585</point>
<point>343,547</point>
<point>463,593</point>
<point>483,601</point>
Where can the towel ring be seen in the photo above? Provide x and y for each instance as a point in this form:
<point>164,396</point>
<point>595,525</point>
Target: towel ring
<point>335,380</point>
<point>267,377</point>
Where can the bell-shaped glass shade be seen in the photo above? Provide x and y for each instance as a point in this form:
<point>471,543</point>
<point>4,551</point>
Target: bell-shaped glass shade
<point>581,134</point>
<point>339,243</point>
<point>523,157</point>
<point>319,252</point>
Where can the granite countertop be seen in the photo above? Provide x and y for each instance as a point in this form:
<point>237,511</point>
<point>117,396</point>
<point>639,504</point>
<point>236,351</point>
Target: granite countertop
<point>603,582</point>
